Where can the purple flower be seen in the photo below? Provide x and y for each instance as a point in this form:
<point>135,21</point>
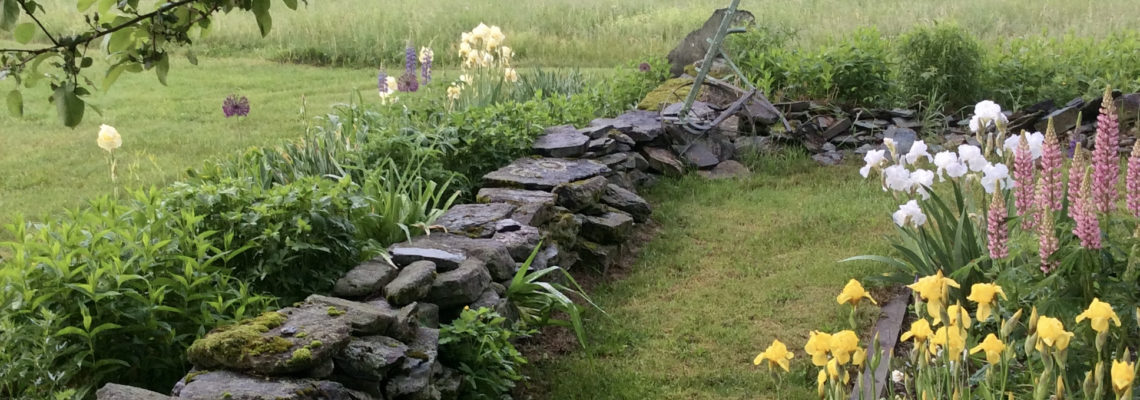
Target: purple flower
<point>1052,168</point>
<point>1106,162</point>
<point>234,105</point>
<point>408,82</point>
<point>1023,169</point>
<point>382,82</point>
<point>644,67</point>
<point>410,60</point>
<point>996,230</point>
<point>425,65</point>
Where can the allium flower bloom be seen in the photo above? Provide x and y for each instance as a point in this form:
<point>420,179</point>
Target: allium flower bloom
<point>1052,168</point>
<point>426,57</point>
<point>1023,171</point>
<point>1047,239</point>
<point>917,151</point>
<point>874,159</point>
<point>234,105</point>
<point>995,177</point>
<point>644,67</point>
<point>510,75</point>
<point>984,294</point>
<point>1106,169</point>
<point>776,354</point>
<point>1098,314</point>
<point>853,293</point>
<point>986,114</point>
<point>1132,181</point>
<point>897,178</point>
<point>972,156</point>
<point>1077,172</point>
<point>947,162</point>
<point>909,213</point>
<point>408,83</point>
<point>993,348</point>
<point>1051,333</point>
<point>109,138</point>
<point>919,331</point>
<point>1087,226</point>
<point>996,230</point>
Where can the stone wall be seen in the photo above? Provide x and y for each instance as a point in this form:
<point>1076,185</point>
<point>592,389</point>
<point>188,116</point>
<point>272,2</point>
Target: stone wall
<point>376,336</point>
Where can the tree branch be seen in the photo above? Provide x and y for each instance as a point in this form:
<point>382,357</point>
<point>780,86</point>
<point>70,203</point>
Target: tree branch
<point>24,5</point>
<point>92,36</point>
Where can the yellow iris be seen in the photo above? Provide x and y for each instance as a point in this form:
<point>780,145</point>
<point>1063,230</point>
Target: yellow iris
<point>933,290</point>
<point>1122,375</point>
<point>1098,314</point>
<point>818,346</point>
<point>843,344</point>
<point>919,331</point>
<point>859,357</point>
<point>776,354</point>
<point>993,348</point>
<point>984,294</point>
<point>853,293</point>
<point>956,313</point>
<point>821,379</point>
<point>951,339</point>
<point>1051,333</point>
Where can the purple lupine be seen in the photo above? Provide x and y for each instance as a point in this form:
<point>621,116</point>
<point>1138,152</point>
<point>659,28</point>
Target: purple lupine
<point>995,228</point>
<point>1023,176</point>
<point>1088,227</point>
<point>382,82</point>
<point>408,81</point>
<point>1047,239</point>
<point>1106,167</point>
<point>425,64</point>
<point>1132,181</point>
<point>235,106</point>
<point>410,60</point>
<point>1076,178</point>
<point>1052,167</point>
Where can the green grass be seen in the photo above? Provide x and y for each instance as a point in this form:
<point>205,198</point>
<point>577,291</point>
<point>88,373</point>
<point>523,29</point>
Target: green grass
<point>736,264</point>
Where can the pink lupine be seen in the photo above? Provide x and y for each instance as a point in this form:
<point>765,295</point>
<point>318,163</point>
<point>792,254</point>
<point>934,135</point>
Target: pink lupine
<point>1047,239</point>
<point>1023,175</point>
<point>1088,228</point>
<point>1052,168</point>
<point>1132,181</point>
<point>996,229</point>
<point>1076,178</point>
<point>1106,167</point>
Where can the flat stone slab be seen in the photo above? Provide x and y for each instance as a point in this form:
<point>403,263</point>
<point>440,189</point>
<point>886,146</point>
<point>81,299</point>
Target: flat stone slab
<point>663,161</point>
<point>561,141</point>
<point>534,207</point>
<point>457,250</point>
<point>645,126</point>
<point>216,385</point>
<point>365,279</point>
<point>113,391</point>
<point>609,228</point>
<point>475,220</point>
<point>627,201</point>
<point>701,156</point>
<point>544,173</point>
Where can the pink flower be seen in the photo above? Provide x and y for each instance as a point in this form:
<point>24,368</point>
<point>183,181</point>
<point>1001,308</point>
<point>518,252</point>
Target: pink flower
<point>1047,239</point>
<point>1077,172</point>
<point>1052,168</point>
<point>1084,214</point>
<point>1106,170</point>
<point>996,229</point>
<point>1023,175</point>
<point>1132,181</point>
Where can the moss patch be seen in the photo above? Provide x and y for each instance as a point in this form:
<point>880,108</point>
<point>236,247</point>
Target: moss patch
<point>316,343</point>
<point>301,355</point>
<point>230,345</point>
<point>190,377</point>
<point>671,91</point>
<point>333,311</point>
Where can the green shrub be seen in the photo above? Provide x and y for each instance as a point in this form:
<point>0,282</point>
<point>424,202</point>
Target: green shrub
<point>1026,70</point>
<point>858,69</point>
<point>117,291</point>
<point>478,344</point>
<point>536,300</point>
<point>941,60</point>
<point>399,201</point>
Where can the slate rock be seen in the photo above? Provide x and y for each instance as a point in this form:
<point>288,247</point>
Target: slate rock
<point>611,123</point>
<point>275,343</point>
<point>413,283</point>
<point>215,385</point>
<point>371,357</point>
<point>596,131</point>
<point>837,128</point>
<point>1128,108</point>
<point>475,220</point>
<point>700,155</point>
<point>363,318</point>
<point>460,286</point>
<point>830,158</point>
<point>427,314</point>
<point>610,228</point>
<point>324,370</point>
<point>644,126</point>
<point>906,123</point>
<point>448,383</point>
<point>663,161</point>
<point>903,138</point>
<point>622,138</point>
<point>365,279</point>
<point>901,113</point>
<point>520,243</point>
<point>403,321</point>
<point>544,173</point>
<point>418,367</point>
<point>727,170</point>
<point>603,145</point>
<point>699,110</point>
<point>615,161</point>
<point>628,202</point>
<point>1064,119</point>
<point>459,248</point>
<point>561,141</point>
<point>596,255</point>
<point>639,162</point>
<point>579,195</point>
<point>533,207</point>
<point>113,391</point>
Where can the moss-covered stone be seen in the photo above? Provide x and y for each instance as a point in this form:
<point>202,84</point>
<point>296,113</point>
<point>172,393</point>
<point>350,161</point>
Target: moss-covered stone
<point>193,375</point>
<point>333,311</point>
<point>301,355</point>
<point>669,92</point>
<point>316,343</point>
<point>229,345</point>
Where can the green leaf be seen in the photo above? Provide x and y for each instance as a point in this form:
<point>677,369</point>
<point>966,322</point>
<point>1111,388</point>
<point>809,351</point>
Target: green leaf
<point>16,103</point>
<point>261,13</point>
<point>119,40</point>
<point>71,330</point>
<point>113,75</point>
<point>68,105</point>
<point>9,13</point>
<point>84,5</point>
<point>191,57</point>
<point>24,32</point>
<point>105,6</point>
<point>161,68</point>
<point>292,4</point>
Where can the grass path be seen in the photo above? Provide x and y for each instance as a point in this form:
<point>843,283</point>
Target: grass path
<point>736,264</point>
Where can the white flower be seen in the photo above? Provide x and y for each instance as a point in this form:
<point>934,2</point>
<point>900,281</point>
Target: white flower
<point>986,112</point>
<point>995,177</point>
<point>466,79</point>
<point>897,178</point>
<point>890,145</point>
<point>464,49</point>
<point>947,161</point>
<point>909,213</point>
<point>109,138</point>
<point>897,376</point>
<point>453,92</point>
<point>426,53</point>
<point>972,156</point>
<point>921,179</point>
<point>481,31</point>
<point>510,75</point>
<point>387,96</point>
<point>874,159</point>
<point>918,150</point>
<point>1036,143</point>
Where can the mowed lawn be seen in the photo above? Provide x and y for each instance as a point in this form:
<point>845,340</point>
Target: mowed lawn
<point>736,264</point>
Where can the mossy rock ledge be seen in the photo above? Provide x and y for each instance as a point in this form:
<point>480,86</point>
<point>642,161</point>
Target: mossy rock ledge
<point>275,343</point>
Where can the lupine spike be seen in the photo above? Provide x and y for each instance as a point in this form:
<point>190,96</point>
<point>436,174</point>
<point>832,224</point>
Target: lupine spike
<point>1052,167</point>
<point>1023,171</point>
<point>995,228</point>
<point>1132,181</point>
<point>1106,167</point>
<point>1047,239</point>
<point>1076,178</point>
<point>1088,227</point>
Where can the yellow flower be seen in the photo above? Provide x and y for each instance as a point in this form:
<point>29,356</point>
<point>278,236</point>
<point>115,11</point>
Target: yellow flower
<point>1098,315</point>
<point>510,75</point>
<point>919,331</point>
<point>833,369</point>
<point>984,294</point>
<point>853,293</point>
<point>505,54</point>
<point>951,339</point>
<point>776,354</point>
<point>818,345</point>
<point>453,92</point>
<point>472,59</point>
<point>480,32</point>
<point>993,348</point>
<point>109,138</point>
<point>820,380</point>
<point>933,290</point>
<point>843,344</point>
<point>859,357</point>
<point>466,38</point>
<point>1122,375</point>
<point>955,312</point>
<point>1051,333</point>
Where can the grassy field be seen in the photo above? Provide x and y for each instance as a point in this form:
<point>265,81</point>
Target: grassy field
<point>737,264</point>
